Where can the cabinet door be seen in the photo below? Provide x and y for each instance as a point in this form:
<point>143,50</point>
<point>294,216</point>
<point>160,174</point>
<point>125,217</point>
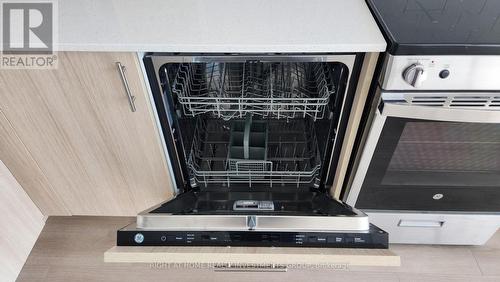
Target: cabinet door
<point>28,174</point>
<point>76,122</point>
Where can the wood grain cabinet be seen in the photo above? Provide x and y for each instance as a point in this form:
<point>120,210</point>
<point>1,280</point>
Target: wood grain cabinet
<point>71,140</point>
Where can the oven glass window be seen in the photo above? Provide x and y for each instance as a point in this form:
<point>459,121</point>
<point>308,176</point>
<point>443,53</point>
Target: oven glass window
<point>446,154</point>
<point>433,166</point>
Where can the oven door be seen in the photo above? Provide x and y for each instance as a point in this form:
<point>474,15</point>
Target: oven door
<point>431,154</point>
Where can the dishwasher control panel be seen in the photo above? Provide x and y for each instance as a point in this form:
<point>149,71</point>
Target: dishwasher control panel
<point>374,238</point>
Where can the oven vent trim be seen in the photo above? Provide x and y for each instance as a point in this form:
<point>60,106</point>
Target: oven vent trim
<point>491,102</point>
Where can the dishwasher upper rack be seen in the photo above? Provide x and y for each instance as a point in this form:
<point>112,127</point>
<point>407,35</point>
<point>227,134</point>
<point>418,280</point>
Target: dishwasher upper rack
<point>293,155</point>
<point>270,90</point>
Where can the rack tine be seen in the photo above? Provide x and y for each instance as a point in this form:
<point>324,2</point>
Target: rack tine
<point>294,145</point>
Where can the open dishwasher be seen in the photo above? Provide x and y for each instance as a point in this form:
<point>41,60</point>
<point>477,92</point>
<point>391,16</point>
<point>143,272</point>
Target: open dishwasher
<point>253,143</point>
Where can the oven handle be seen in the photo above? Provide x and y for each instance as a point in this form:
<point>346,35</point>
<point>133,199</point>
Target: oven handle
<point>439,113</point>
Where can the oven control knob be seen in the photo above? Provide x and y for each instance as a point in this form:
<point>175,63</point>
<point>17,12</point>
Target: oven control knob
<point>415,75</point>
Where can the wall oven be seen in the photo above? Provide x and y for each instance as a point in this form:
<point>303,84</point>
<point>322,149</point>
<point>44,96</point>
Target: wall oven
<point>429,171</point>
<point>433,151</point>
<point>253,143</point>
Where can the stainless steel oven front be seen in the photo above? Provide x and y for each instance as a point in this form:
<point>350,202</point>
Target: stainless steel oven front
<point>428,167</point>
<point>432,151</point>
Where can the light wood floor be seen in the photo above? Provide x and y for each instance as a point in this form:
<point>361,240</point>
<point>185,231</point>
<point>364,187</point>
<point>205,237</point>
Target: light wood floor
<point>71,249</point>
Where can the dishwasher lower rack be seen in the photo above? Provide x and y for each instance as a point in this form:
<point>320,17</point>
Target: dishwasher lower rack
<point>292,156</point>
<point>270,90</point>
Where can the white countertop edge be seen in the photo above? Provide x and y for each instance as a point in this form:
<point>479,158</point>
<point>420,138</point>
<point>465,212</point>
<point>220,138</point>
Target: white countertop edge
<point>305,48</point>
<point>218,26</point>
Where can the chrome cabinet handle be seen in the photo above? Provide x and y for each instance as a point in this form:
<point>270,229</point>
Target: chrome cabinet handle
<point>131,98</point>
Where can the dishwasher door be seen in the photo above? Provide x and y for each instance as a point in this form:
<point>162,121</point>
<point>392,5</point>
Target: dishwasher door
<point>266,219</point>
<point>279,210</point>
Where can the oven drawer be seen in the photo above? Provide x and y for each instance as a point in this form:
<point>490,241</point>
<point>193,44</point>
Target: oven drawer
<point>436,228</point>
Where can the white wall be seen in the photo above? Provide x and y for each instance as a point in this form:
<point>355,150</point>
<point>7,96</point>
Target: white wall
<point>20,224</point>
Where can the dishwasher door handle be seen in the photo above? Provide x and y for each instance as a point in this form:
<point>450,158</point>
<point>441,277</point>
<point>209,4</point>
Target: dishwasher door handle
<point>130,97</point>
<point>420,223</point>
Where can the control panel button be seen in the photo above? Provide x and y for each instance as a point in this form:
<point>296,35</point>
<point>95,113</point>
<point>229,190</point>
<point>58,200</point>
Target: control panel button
<point>175,238</point>
<point>190,238</point>
<point>235,237</point>
<point>359,240</point>
<point>299,239</point>
<point>335,239</point>
<point>444,74</point>
<point>313,239</point>
<point>415,75</point>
